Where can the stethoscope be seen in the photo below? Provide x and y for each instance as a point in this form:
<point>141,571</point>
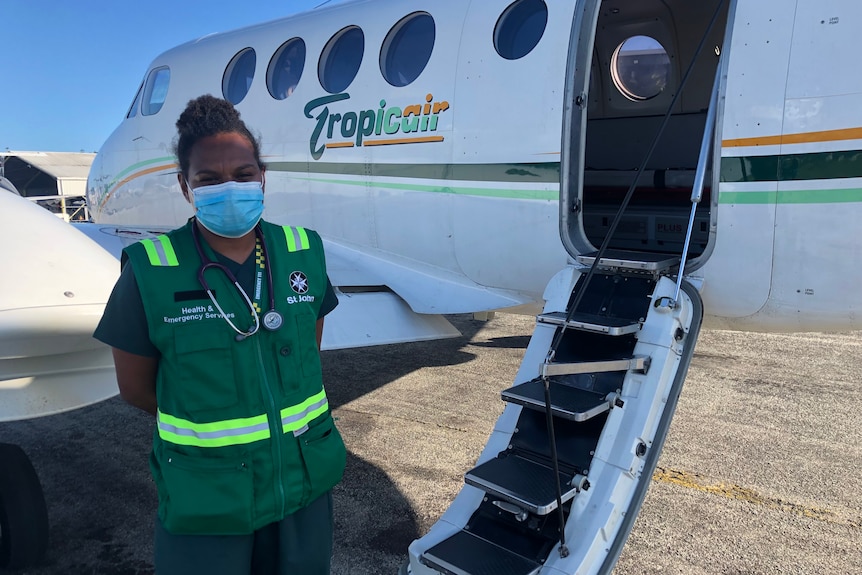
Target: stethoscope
<point>272,319</point>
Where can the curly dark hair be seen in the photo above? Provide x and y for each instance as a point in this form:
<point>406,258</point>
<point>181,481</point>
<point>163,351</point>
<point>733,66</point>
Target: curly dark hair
<point>207,116</point>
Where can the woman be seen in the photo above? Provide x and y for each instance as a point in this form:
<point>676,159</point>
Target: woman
<point>215,329</point>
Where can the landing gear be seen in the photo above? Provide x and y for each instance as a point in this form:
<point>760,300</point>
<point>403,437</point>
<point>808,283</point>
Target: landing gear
<point>23,514</point>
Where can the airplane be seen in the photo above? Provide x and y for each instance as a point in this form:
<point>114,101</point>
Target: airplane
<point>629,171</point>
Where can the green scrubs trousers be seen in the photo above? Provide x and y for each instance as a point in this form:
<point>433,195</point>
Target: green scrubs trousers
<point>300,543</point>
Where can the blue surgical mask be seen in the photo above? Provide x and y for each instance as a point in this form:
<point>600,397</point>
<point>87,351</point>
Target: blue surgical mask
<point>231,209</point>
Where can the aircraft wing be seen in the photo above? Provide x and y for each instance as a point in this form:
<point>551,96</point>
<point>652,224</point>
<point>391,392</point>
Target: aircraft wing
<point>383,299</point>
<point>387,299</point>
<point>54,287</point>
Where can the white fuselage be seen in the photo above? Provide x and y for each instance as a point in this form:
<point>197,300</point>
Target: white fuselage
<point>475,198</point>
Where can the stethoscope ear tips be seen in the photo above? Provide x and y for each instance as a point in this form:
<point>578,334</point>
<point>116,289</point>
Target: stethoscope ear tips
<point>239,337</point>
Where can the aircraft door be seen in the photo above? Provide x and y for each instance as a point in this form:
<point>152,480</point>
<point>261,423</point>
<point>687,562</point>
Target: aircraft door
<point>639,85</point>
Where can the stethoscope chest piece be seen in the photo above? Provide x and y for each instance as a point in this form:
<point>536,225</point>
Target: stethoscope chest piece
<point>272,320</point>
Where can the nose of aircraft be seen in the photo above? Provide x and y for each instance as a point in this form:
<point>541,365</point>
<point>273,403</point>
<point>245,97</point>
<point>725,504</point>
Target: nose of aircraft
<point>55,284</point>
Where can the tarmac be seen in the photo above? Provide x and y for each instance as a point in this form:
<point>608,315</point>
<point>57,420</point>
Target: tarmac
<point>760,473</point>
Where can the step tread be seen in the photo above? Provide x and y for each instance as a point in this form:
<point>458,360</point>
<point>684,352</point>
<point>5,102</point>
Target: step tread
<point>467,554</point>
<point>567,402</point>
<point>625,259</point>
<point>524,482</point>
<point>592,322</point>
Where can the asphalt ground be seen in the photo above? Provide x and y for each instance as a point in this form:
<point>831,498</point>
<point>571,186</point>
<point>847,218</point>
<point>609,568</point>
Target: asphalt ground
<point>761,472</point>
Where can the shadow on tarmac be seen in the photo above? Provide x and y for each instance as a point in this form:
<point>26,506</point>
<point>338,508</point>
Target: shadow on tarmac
<point>92,463</point>
<point>351,373</point>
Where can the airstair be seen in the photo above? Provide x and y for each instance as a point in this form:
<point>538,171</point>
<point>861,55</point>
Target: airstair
<point>581,434</point>
<point>564,474</point>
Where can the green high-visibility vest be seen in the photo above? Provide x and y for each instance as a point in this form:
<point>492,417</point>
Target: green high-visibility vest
<point>244,435</point>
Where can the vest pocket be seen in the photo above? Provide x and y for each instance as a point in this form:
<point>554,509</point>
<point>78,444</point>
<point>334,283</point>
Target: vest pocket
<point>206,496</point>
<point>204,368</point>
<point>324,456</point>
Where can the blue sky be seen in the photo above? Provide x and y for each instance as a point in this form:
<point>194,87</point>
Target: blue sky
<point>70,69</point>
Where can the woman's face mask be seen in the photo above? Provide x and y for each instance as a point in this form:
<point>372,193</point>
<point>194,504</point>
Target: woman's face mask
<point>231,209</point>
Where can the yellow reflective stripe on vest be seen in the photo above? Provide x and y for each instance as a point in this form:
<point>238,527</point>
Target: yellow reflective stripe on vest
<point>238,431</point>
<point>214,434</point>
<point>297,238</point>
<point>298,416</point>
<point>160,251</point>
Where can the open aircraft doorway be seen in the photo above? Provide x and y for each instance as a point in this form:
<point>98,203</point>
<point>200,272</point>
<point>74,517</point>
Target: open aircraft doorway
<point>642,80</point>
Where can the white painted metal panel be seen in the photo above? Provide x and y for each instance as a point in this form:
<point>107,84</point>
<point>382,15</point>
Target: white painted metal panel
<point>487,85</point>
<point>757,71</point>
<point>811,270</point>
<point>820,114</point>
<point>825,55</point>
<point>824,90</point>
<point>489,233</point>
<point>738,275</point>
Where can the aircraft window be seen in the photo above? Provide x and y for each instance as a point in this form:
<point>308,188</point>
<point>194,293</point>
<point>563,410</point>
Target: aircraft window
<point>156,90</point>
<point>133,111</point>
<point>640,68</point>
<point>285,69</point>
<point>407,49</point>
<point>238,76</point>
<point>340,59</point>
<point>520,28</point>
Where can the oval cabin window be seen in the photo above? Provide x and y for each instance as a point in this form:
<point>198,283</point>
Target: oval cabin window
<point>407,49</point>
<point>285,69</point>
<point>520,28</point>
<point>340,59</point>
<point>640,68</point>
<point>238,76</point>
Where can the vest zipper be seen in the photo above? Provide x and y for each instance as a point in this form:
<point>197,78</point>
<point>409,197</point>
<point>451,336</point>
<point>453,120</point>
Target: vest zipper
<point>275,426</point>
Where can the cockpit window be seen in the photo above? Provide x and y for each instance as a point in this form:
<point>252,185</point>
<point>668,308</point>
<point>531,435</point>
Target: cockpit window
<point>520,28</point>
<point>155,90</point>
<point>640,68</point>
<point>285,68</point>
<point>133,111</point>
<point>238,76</point>
<point>407,49</point>
<point>340,59</point>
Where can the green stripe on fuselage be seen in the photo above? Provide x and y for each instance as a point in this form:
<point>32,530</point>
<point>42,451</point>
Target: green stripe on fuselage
<point>747,169</point>
<point>792,167</point>
<point>484,192</point>
<point>547,173</point>
<point>793,197</point>
<point>523,173</point>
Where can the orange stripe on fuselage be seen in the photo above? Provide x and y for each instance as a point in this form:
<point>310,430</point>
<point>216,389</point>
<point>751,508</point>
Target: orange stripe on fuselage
<point>805,138</point>
<point>136,175</point>
<point>403,141</point>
